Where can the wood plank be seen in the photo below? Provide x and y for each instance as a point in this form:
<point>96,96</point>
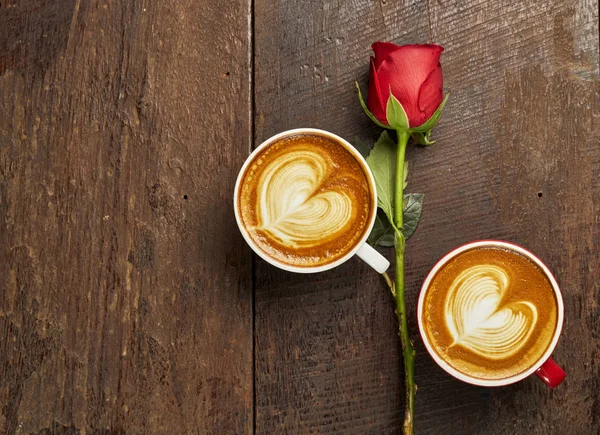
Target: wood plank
<point>524,79</point>
<point>521,122</point>
<point>125,289</point>
<point>327,353</point>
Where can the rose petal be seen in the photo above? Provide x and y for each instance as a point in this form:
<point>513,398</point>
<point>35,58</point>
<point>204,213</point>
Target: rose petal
<point>374,100</point>
<point>382,50</point>
<point>405,70</point>
<point>431,94</point>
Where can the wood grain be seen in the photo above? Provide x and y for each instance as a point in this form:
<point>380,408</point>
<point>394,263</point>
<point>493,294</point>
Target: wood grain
<point>327,353</point>
<point>525,105</point>
<point>125,291</point>
<point>516,158</point>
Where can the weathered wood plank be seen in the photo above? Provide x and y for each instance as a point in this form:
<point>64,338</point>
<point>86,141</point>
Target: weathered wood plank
<point>520,160</point>
<point>522,121</point>
<point>125,291</point>
<point>327,354</point>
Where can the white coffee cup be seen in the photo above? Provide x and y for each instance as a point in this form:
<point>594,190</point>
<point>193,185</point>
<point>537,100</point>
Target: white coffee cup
<point>362,249</point>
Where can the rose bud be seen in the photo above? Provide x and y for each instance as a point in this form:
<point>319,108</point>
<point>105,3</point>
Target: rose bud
<point>413,75</point>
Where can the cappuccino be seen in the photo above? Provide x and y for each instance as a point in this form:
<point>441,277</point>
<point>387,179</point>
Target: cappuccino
<point>305,200</point>
<point>490,313</point>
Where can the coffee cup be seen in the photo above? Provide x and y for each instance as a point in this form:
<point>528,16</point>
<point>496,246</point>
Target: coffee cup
<point>305,201</point>
<point>490,313</point>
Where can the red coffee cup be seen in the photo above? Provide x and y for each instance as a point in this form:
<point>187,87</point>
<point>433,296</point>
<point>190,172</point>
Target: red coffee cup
<point>545,367</point>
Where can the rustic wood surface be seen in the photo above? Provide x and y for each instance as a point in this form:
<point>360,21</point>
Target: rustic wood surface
<point>128,300</point>
<point>126,294</point>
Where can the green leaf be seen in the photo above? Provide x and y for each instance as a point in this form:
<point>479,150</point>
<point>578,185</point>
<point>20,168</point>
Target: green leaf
<point>382,161</point>
<point>367,111</point>
<point>423,138</point>
<point>413,206</point>
<point>382,233</point>
<point>361,146</point>
<point>395,114</point>
<point>431,122</point>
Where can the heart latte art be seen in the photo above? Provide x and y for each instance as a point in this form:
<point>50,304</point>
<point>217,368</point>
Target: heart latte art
<point>305,200</point>
<point>477,318</point>
<point>292,209</point>
<point>490,313</point>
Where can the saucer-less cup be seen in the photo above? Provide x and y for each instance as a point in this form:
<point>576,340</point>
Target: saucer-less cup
<point>545,368</point>
<point>361,249</point>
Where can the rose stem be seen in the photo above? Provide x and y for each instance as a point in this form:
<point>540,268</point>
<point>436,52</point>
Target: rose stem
<point>408,352</point>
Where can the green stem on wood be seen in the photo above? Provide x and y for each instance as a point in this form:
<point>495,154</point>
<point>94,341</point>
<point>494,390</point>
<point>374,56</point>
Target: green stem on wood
<point>399,192</point>
<point>408,352</point>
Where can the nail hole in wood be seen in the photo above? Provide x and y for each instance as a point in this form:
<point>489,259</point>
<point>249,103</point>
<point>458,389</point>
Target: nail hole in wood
<point>185,197</point>
<point>540,194</point>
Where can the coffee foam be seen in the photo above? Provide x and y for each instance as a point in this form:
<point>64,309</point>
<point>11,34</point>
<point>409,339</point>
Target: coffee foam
<point>305,200</point>
<point>290,210</point>
<point>490,313</point>
<point>478,321</point>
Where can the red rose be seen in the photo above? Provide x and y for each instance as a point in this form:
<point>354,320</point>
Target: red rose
<point>414,74</point>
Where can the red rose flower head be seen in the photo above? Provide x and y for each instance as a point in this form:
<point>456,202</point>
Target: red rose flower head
<point>413,73</point>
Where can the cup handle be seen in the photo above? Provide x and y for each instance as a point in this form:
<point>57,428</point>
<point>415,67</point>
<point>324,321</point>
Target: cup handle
<point>551,373</point>
<point>373,258</point>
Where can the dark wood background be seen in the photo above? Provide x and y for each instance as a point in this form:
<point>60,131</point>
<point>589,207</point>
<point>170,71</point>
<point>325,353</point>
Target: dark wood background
<point>128,300</point>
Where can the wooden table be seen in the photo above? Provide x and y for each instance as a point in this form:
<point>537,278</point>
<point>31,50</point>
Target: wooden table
<point>129,302</point>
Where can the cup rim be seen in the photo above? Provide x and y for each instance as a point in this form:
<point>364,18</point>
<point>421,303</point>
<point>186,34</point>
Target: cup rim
<point>357,156</point>
<point>491,382</point>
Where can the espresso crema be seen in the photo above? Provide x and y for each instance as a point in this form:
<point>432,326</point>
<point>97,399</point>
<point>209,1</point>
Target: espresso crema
<point>490,313</point>
<point>305,200</point>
